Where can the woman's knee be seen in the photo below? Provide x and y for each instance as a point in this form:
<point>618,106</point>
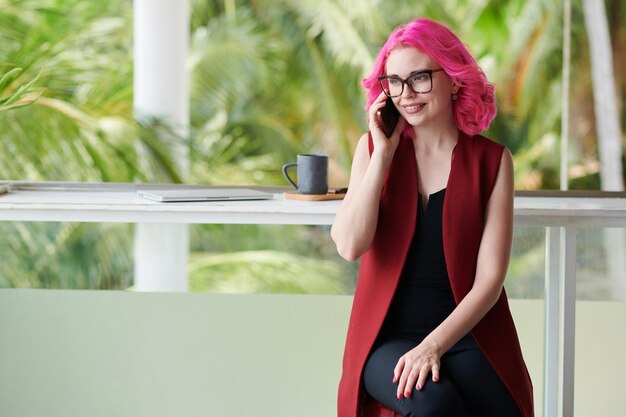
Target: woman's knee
<point>435,400</point>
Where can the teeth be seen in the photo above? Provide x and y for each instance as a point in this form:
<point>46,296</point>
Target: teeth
<point>412,108</point>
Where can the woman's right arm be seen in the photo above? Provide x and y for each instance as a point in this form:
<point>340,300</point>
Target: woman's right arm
<point>356,220</point>
<point>357,217</point>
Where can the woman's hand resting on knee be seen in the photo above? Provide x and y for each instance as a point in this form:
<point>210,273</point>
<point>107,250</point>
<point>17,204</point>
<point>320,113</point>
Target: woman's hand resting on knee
<point>414,366</point>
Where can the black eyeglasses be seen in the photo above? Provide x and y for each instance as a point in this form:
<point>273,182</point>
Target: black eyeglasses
<point>420,82</point>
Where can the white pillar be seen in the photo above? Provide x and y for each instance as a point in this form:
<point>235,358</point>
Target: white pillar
<point>161,89</point>
<point>604,96</point>
<point>609,132</point>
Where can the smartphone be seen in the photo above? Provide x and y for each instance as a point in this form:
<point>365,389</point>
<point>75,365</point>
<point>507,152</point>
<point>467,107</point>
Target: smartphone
<point>389,116</point>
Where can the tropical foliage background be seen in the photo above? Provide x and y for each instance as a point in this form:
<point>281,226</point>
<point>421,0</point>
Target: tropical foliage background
<point>270,79</point>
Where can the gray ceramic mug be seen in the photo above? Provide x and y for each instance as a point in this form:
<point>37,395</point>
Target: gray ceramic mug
<point>312,174</point>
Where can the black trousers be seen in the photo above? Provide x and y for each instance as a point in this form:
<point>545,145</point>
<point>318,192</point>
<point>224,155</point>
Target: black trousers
<point>467,387</point>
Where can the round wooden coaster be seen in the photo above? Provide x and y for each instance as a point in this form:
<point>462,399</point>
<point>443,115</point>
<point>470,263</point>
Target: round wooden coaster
<point>313,197</point>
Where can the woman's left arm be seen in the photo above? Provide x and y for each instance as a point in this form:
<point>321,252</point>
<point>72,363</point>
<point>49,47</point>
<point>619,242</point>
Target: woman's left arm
<point>493,260</point>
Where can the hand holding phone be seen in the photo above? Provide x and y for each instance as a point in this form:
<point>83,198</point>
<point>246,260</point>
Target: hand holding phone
<point>389,115</point>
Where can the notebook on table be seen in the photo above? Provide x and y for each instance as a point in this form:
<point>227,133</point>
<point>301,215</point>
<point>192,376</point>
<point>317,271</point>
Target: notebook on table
<point>173,195</point>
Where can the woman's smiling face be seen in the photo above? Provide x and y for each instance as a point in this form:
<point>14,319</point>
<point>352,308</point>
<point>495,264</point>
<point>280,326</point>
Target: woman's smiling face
<point>421,109</point>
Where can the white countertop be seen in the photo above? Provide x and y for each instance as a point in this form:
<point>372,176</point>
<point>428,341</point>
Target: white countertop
<point>89,205</point>
<point>120,203</point>
<point>564,211</point>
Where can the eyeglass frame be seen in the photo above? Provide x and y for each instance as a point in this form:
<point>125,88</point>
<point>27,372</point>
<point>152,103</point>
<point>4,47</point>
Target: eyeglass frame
<point>406,81</point>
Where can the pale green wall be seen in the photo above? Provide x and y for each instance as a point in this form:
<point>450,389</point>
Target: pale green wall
<point>121,354</point>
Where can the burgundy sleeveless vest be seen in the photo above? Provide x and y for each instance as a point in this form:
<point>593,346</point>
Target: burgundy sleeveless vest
<point>474,167</point>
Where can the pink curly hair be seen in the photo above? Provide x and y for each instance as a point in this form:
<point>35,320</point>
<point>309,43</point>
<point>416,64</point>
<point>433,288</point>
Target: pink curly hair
<point>475,106</point>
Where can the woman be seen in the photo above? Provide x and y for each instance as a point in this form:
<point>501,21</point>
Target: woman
<point>430,212</point>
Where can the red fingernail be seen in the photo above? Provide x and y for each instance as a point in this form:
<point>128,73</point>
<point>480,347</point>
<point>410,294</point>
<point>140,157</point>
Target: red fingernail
<point>419,387</point>
<point>435,379</point>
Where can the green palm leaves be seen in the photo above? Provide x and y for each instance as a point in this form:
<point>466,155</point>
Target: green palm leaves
<point>21,97</point>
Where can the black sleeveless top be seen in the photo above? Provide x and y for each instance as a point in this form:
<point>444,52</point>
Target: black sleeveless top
<point>424,297</point>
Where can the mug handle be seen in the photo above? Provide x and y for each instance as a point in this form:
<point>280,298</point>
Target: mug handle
<point>286,175</point>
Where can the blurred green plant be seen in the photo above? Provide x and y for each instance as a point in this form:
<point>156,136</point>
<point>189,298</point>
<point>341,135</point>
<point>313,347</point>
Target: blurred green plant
<point>265,271</point>
<point>22,96</point>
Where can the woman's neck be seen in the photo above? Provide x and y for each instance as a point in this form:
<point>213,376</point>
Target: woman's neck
<point>430,139</point>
